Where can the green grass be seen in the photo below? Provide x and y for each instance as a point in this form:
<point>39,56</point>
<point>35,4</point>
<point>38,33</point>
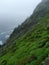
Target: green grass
<point>32,48</point>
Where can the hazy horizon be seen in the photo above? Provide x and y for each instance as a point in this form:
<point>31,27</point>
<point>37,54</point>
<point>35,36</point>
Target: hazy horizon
<point>13,13</point>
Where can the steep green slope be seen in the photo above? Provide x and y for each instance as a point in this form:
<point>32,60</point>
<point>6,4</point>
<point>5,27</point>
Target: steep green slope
<point>41,10</point>
<point>32,48</point>
<point>29,43</point>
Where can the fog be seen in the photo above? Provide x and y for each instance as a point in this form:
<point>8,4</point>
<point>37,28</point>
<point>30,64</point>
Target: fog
<point>17,7</point>
<point>13,13</point>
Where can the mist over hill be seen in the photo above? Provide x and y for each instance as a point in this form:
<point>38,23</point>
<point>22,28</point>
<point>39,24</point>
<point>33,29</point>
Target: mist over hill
<point>7,25</point>
<point>13,13</point>
<point>29,42</point>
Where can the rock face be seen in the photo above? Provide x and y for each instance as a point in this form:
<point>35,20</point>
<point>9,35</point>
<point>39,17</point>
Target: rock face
<point>45,0</point>
<point>43,6</point>
<point>46,62</point>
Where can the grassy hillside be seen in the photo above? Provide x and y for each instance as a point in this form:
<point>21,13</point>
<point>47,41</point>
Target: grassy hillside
<point>29,43</point>
<point>32,48</point>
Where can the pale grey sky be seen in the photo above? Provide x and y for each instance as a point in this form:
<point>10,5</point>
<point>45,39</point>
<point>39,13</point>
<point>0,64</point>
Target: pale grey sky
<point>18,7</point>
<point>14,12</point>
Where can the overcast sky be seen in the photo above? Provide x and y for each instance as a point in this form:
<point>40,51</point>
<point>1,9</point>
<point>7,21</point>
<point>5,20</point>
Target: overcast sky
<point>18,7</point>
<point>14,12</point>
